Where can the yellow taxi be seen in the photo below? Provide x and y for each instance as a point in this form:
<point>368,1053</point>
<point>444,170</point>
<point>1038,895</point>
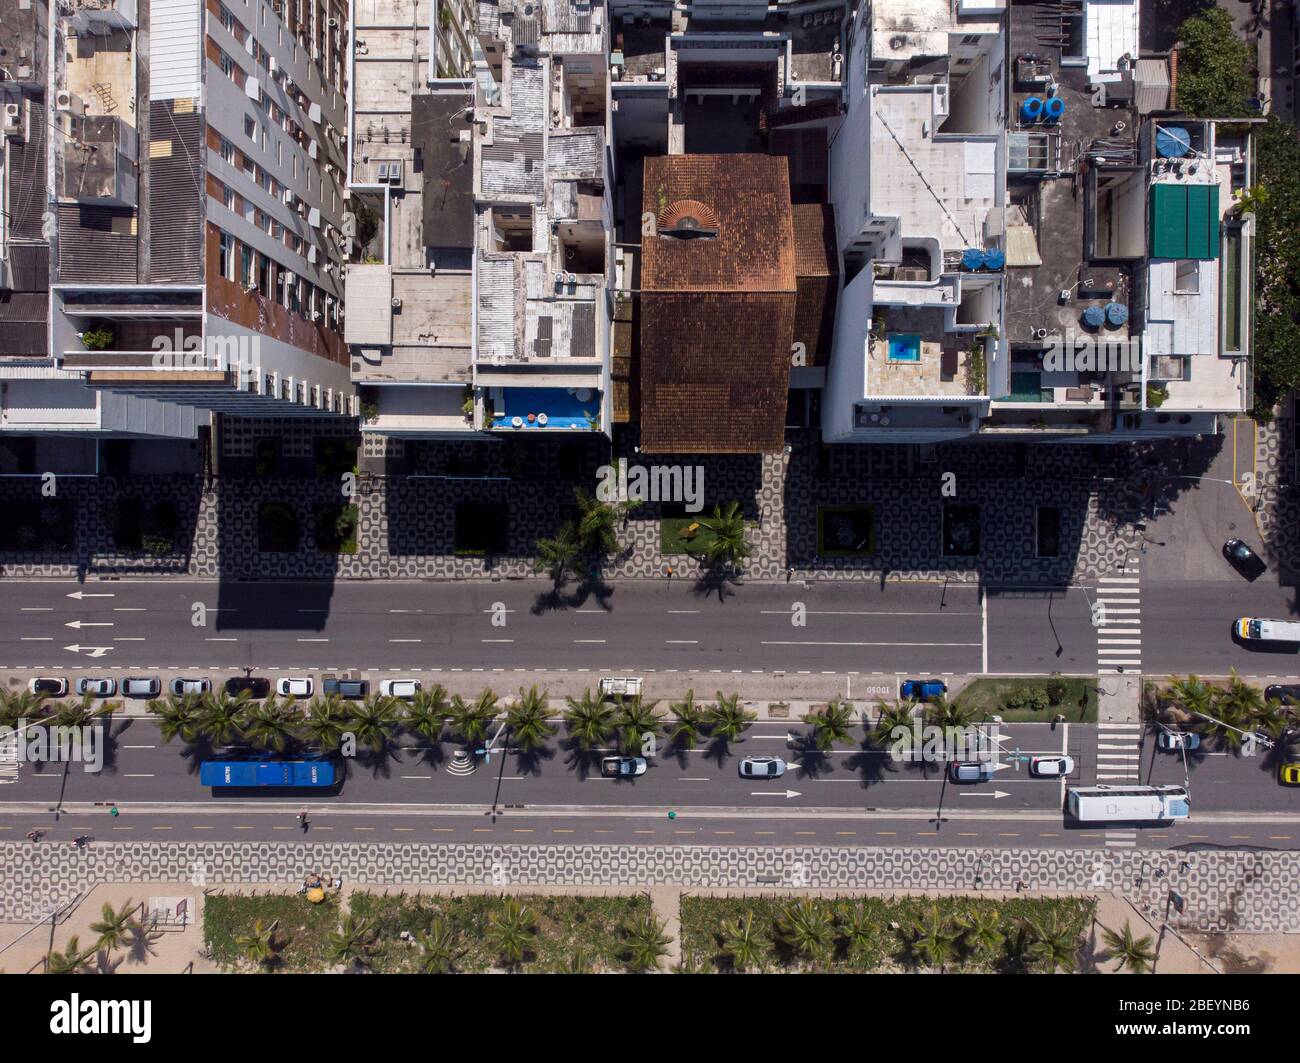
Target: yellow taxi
<point>1289,774</point>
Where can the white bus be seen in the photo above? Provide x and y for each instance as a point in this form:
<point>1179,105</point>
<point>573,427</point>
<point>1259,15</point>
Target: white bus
<point>1127,804</point>
<point>1251,629</point>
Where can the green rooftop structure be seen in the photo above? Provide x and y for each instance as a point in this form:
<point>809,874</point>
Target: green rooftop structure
<point>1184,221</point>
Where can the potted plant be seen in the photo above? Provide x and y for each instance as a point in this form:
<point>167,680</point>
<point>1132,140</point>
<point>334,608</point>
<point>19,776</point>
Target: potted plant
<point>97,339</point>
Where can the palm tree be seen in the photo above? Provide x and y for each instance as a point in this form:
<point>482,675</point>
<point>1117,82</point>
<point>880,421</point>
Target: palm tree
<point>72,960</point>
<point>647,943</point>
<point>374,721</point>
<point>894,725</point>
<point>727,544</point>
<point>527,719</point>
<point>740,945</point>
<point>351,944</point>
<point>589,719</point>
<point>81,713</point>
<point>272,724</point>
<point>857,929</point>
<point>831,724</point>
<point>940,712</point>
<point>1241,704</point>
<point>440,948</point>
<point>325,723</point>
<point>727,719</point>
<point>805,928</point>
<point>558,554</point>
<point>688,719</point>
<point>221,717</point>
<point>933,937</point>
<point>636,720</point>
<point>115,929</point>
<point>1137,954</point>
<point>596,529</point>
<point>510,932</point>
<point>470,720</point>
<point>1052,943</point>
<point>1191,695</point>
<point>981,934</point>
<point>261,945</point>
<point>426,715</point>
<point>177,718</point>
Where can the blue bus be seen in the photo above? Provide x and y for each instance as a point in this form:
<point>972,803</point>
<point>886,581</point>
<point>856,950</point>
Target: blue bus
<point>297,774</point>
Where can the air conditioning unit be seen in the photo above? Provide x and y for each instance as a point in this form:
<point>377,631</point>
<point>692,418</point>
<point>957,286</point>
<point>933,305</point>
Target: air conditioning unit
<point>311,254</point>
<point>333,23</point>
<point>252,88</point>
<point>290,197</point>
<point>314,112</point>
<point>69,101</point>
<point>313,217</point>
<point>312,149</point>
<point>272,64</point>
<point>397,302</point>
<point>14,126</point>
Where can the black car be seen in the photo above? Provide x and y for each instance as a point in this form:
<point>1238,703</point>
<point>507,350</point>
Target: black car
<point>256,686</point>
<point>1244,559</point>
<point>347,688</point>
<point>1286,693</point>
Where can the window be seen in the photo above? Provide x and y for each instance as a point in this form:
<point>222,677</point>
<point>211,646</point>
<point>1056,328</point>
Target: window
<point>246,276</point>
<point>228,198</point>
<point>227,151</point>
<point>227,19</point>
<point>1187,277</point>
<point>250,128</point>
<point>227,64</point>
<point>226,256</point>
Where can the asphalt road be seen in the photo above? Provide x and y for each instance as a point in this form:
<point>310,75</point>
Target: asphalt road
<point>1187,627</point>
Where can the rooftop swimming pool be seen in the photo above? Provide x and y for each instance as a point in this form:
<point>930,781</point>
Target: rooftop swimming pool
<point>526,408</point>
<point>904,347</point>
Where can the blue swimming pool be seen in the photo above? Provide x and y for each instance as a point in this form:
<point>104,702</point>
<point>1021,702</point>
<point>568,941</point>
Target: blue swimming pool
<point>905,347</point>
<point>561,407</point>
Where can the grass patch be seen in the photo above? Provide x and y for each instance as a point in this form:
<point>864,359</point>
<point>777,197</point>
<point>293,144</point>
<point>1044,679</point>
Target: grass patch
<point>846,531</point>
<point>878,946</point>
<point>673,523</point>
<point>303,929</point>
<point>336,527</point>
<point>564,926</point>
<point>1015,700</point>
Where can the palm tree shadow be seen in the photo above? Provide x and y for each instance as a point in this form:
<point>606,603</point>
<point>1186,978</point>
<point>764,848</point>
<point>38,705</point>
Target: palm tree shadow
<point>140,943</point>
<point>105,963</point>
<point>814,763</point>
<point>583,762</point>
<point>718,750</point>
<point>430,756</point>
<point>379,762</point>
<point>530,762</point>
<point>592,586</point>
<point>716,580</point>
<point>869,763</point>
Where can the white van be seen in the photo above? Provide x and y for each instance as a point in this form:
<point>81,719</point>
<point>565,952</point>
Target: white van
<point>1254,630</point>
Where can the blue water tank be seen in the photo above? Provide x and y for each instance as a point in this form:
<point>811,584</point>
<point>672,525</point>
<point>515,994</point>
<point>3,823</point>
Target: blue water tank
<point>994,258</point>
<point>1172,142</point>
<point>1094,316</point>
<point>1031,110</point>
<point>972,258</point>
<point>1116,314</point>
<point>1053,109</point>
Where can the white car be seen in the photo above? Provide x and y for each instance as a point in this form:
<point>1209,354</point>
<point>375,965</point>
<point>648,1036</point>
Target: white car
<point>1051,767</point>
<point>299,686</point>
<point>622,767</point>
<point>50,686</point>
<point>762,767</point>
<point>405,689</point>
<point>180,686</point>
<point>100,688</point>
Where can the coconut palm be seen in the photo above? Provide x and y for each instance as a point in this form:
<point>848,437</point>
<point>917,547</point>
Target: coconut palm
<point>81,713</point>
<point>940,712</point>
<point>470,720</point>
<point>590,720</point>
<point>981,934</point>
<point>894,725</point>
<point>72,960</point>
<point>262,944</point>
<point>805,929</point>
<point>1134,953</point>
<point>373,721</point>
<point>727,543</point>
<point>727,719</point>
<point>220,717</point>
<point>932,937</point>
<point>115,928</point>
<point>636,720</point>
<point>831,724</point>
<point>688,719</point>
<point>177,718</point>
<point>596,529</point>
<point>558,554</point>
<point>352,943</point>
<point>22,704</point>
<point>527,719</point>
<point>326,722</point>
<point>510,933</point>
<point>647,943</point>
<point>1192,695</point>
<point>440,948</point>
<point>1052,944</point>
<point>740,945</point>
<point>1243,704</point>
<point>273,724</point>
<point>427,712</point>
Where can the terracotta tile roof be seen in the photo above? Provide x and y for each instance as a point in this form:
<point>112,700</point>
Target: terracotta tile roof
<point>817,270</point>
<point>814,240</point>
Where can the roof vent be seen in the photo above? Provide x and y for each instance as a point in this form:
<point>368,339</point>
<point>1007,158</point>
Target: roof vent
<point>688,219</point>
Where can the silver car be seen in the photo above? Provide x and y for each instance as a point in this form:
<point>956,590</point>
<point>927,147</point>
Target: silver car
<point>100,688</point>
<point>180,687</point>
<point>762,767</point>
<point>140,686</point>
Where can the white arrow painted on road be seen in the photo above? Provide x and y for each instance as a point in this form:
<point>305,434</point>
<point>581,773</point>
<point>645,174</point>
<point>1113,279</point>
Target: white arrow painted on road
<point>88,594</point>
<point>91,651</point>
<point>984,793</point>
<point>787,794</point>
<point>88,623</point>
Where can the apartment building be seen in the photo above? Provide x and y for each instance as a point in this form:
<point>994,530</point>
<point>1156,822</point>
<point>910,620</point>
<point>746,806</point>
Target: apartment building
<point>173,179</point>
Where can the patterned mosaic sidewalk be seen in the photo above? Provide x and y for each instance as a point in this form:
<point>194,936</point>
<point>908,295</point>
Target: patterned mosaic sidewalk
<point>1224,890</point>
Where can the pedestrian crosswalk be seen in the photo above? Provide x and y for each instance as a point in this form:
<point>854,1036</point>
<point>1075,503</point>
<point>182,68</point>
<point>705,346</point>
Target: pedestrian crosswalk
<point>1117,617</point>
<point>1121,839</point>
<point>1119,752</point>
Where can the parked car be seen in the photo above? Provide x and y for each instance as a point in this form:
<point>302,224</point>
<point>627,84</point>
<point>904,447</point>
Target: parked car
<point>1051,767</point>
<point>100,688</point>
<point>347,688</point>
<point>1286,693</point>
<point>1289,774</point>
<point>405,689</point>
<point>1172,741</point>
<point>299,686</point>
<point>180,687</point>
<point>922,689</point>
<point>141,686</point>
<point>622,767</point>
<point>762,767</point>
<point>1244,559</point>
<point>255,686</point>
<point>970,771</point>
<point>49,686</point>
